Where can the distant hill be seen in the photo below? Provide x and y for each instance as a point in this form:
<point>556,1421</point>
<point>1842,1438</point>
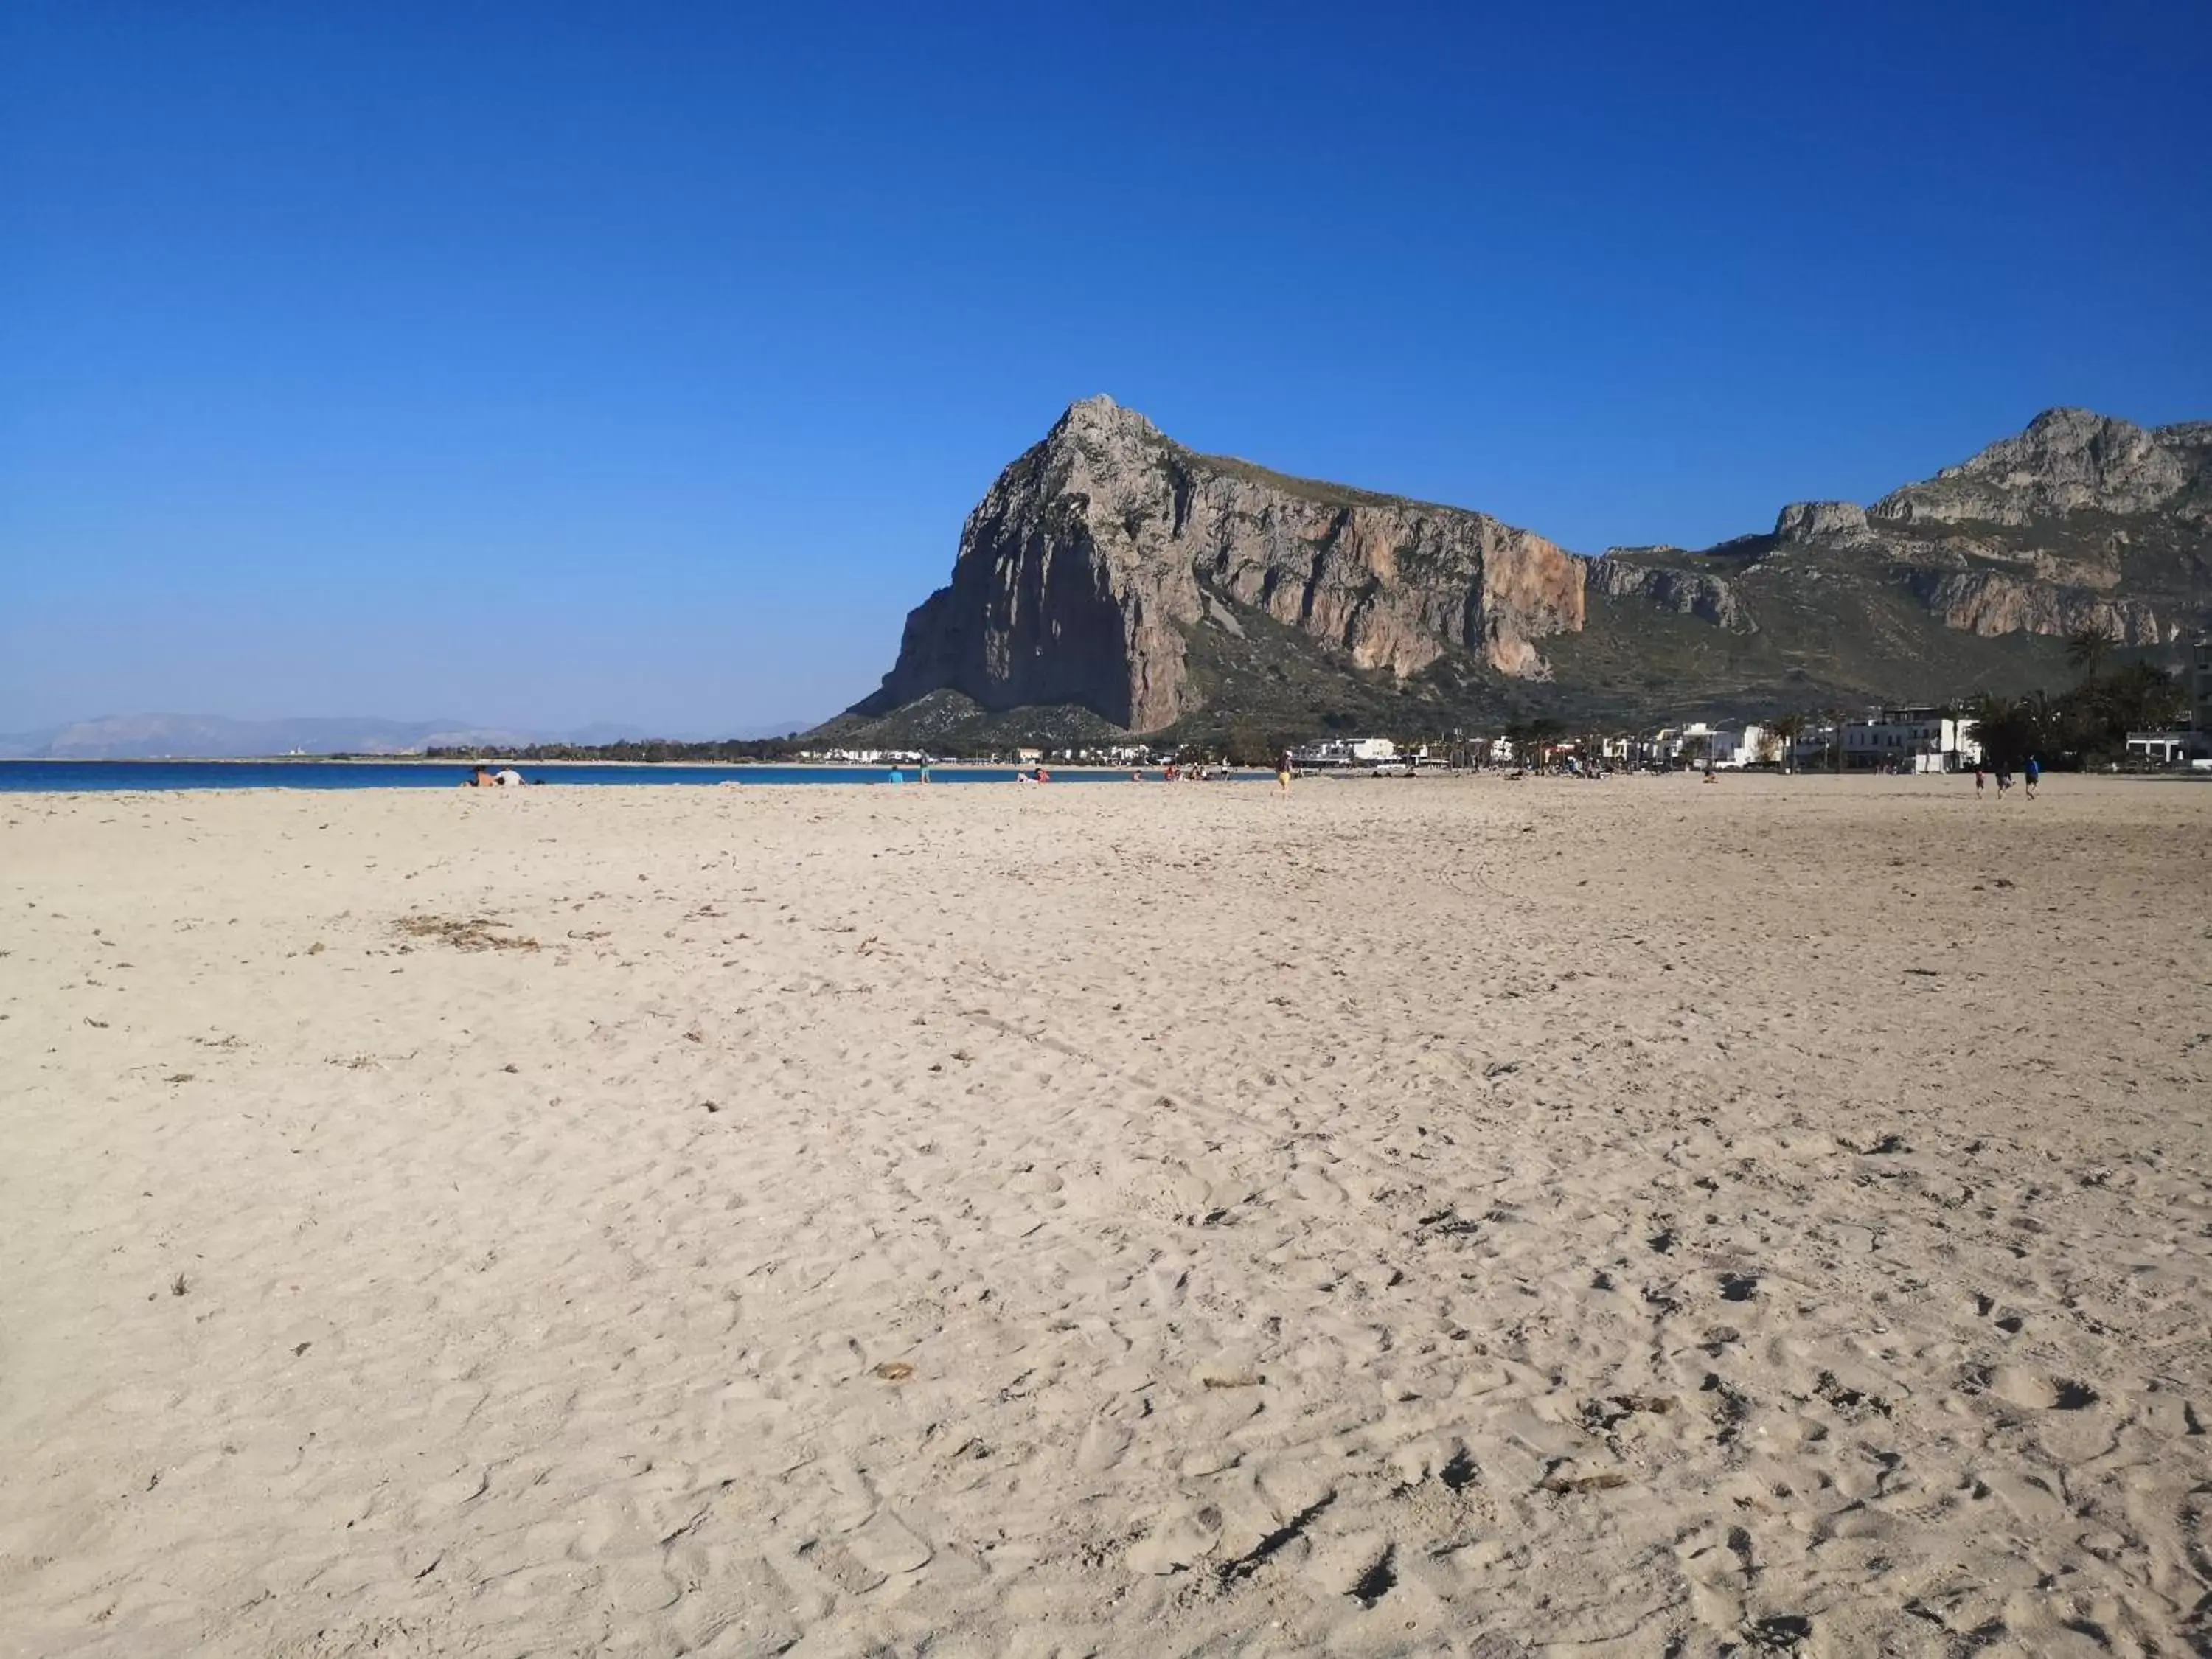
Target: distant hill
<point>210,737</point>
<point>1113,581</point>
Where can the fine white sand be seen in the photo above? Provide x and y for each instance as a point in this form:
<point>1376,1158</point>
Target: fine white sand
<point>1431,1216</point>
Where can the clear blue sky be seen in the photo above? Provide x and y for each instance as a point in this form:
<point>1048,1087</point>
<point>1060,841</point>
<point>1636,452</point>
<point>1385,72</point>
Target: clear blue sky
<point>543,363</point>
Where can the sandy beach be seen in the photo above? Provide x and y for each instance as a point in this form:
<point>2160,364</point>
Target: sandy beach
<point>1439,1216</point>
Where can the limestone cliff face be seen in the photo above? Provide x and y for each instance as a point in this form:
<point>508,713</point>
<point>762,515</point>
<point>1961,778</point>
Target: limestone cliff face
<point>1687,592</point>
<point>2068,460</point>
<point>1081,572</point>
<point>2040,532</point>
<point>2080,521</point>
<point>1990,603</point>
<point>1803,522</point>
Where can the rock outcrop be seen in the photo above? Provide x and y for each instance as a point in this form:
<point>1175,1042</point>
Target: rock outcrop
<point>2067,461</point>
<point>1083,571</point>
<point>1990,603</point>
<point>1687,592</point>
<point>1812,521</point>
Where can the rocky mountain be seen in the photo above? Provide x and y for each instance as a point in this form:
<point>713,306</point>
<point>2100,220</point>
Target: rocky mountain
<point>1083,574</point>
<point>1112,580</point>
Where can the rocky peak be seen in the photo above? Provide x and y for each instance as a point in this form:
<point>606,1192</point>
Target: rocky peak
<point>1100,420</point>
<point>1811,522</point>
<point>2066,460</point>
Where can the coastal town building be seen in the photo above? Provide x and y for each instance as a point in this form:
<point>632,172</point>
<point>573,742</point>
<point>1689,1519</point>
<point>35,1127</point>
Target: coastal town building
<point>1336,753</point>
<point>2192,746</point>
<point>1906,739</point>
<point>2166,748</point>
<point>1736,747</point>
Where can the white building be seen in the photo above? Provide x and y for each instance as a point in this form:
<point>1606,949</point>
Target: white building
<point>2166,748</point>
<point>1736,747</point>
<point>1894,740</point>
<point>1729,747</point>
<point>1333,752</point>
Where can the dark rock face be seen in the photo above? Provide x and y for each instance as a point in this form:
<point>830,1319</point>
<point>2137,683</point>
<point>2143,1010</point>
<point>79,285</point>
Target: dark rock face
<point>1105,566</point>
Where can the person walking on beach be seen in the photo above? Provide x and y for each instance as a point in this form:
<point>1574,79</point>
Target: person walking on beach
<point>1977,783</point>
<point>2031,775</point>
<point>2004,782</point>
<point>1283,771</point>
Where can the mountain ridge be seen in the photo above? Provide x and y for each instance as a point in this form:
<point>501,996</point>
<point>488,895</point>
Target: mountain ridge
<point>1112,570</point>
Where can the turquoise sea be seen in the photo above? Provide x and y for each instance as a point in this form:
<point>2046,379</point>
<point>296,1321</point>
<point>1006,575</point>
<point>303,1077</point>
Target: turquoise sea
<point>71,775</point>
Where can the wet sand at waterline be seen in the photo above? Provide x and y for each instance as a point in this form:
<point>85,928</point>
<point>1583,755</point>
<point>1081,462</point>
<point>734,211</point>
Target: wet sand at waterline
<point>1429,1216</point>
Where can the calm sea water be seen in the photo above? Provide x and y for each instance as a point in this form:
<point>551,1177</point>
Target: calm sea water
<point>72,776</point>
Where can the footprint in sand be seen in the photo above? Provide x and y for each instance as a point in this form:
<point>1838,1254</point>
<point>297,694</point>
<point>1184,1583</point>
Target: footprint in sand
<point>1184,1534</point>
<point>2019,1385</point>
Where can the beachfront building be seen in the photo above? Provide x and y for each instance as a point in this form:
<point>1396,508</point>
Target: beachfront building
<point>1726,746</point>
<point>864,757</point>
<point>2167,748</point>
<point>1906,739</point>
<point>1736,747</point>
<point>2194,745</point>
<point>1696,744</point>
<point>1334,753</point>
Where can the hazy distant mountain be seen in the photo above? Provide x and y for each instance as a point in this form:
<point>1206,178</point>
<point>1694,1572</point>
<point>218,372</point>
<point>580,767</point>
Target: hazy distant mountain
<point>1113,579</point>
<point>211,737</point>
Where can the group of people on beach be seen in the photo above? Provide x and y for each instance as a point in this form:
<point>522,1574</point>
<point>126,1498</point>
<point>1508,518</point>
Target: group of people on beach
<point>2031,775</point>
<point>484,777</point>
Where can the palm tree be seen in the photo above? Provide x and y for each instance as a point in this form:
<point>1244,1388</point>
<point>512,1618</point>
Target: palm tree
<point>1786,729</point>
<point>2007,728</point>
<point>2087,649</point>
